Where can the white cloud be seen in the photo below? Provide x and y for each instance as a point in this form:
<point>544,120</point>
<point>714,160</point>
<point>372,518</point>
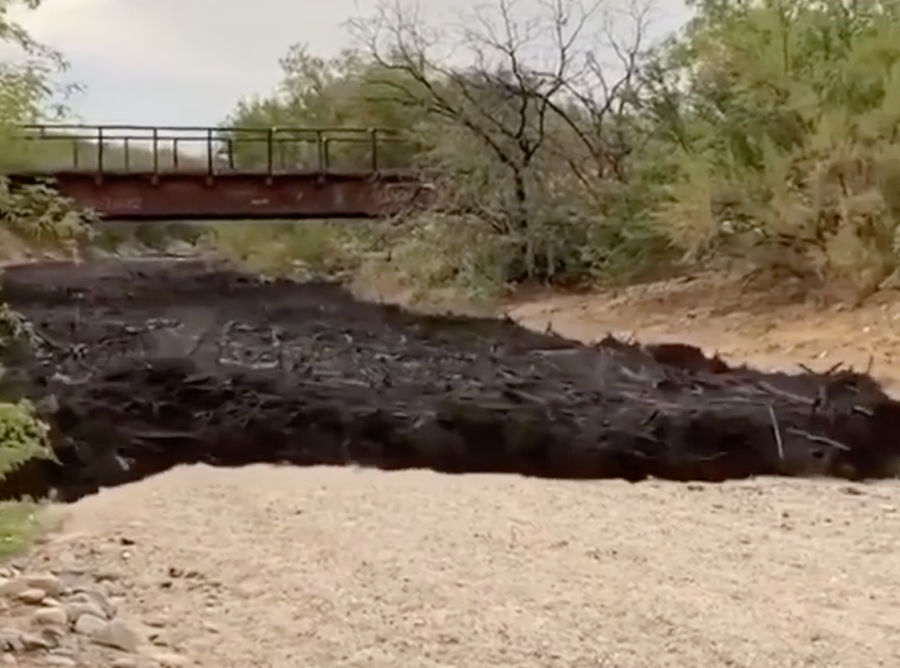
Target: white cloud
<point>185,61</point>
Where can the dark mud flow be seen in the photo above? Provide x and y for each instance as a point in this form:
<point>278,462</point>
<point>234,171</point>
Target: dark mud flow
<point>147,364</point>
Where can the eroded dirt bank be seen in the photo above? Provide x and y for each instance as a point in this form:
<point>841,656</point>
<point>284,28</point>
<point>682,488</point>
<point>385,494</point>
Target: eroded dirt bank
<point>155,363</point>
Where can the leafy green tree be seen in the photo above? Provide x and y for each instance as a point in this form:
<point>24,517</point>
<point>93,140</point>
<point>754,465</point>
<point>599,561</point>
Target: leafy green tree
<point>347,93</point>
<point>30,92</point>
<point>783,116</point>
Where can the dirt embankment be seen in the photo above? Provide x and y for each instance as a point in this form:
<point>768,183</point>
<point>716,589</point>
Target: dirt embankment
<point>155,363</point>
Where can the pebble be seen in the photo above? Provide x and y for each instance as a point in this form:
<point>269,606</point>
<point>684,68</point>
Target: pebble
<point>87,595</point>
<point>32,642</point>
<point>9,660</point>
<point>118,635</point>
<point>59,661</point>
<point>156,621</point>
<point>79,608</point>
<point>170,660</point>
<point>125,662</point>
<point>12,587</point>
<point>50,617</point>
<point>11,639</point>
<point>51,584</point>
<point>32,596</point>
<point>88,625</point>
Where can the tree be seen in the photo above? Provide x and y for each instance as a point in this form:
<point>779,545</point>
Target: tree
<point>784,118</point>
<point>343,92</point>
<point>516,92</point>
<point>29,92</point>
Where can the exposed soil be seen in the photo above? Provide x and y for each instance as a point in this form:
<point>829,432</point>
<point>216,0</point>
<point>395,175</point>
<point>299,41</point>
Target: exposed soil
<point>774,327</point>
<point>154,363</point>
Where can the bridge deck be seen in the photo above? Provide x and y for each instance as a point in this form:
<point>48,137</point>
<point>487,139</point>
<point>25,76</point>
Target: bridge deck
<point>164,173</point>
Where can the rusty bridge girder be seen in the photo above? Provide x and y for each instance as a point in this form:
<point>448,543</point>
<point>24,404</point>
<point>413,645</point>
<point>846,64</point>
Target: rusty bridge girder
<point>171,173</point>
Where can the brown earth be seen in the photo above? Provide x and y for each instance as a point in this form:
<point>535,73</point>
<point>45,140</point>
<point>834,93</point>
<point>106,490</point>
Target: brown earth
<point>352,567</point>
<point>779,327</point>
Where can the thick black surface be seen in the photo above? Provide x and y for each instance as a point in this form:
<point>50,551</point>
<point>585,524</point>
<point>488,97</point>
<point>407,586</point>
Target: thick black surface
<point>155,363</point>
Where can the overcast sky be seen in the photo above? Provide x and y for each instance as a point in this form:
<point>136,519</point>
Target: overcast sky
<point>189,61</point>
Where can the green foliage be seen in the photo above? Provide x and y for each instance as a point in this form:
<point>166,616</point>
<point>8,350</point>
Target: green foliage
<point>343,92</point>
<point>787,136</point>
<point>36,214</point>
<point>27,94</point>
<point>19,523</point>
<point>307,249</point>
<point>23,437</point>
<point>39,215</point>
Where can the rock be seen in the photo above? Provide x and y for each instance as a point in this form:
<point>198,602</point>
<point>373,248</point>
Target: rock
<point>11,640</point>
<point>156,621</point>
<point>209,627</point>
<point>34,642</point>
<point>118,635</point>
<point>88,625</point>
<point>125,662</point>
<point>50,617</point>
<point>51,584</point>
<point>170,660</point>
<point>89,595</point>
<point>79,608</point>
<point>54,634</point>
<point>159,639</point>
<point>32,596</point>
<point>13,587</point>
<point>59,661</point>
<point>8,659</point>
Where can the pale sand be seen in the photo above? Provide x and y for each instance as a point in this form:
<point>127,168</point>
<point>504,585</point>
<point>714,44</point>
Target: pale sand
<point>343,567</point>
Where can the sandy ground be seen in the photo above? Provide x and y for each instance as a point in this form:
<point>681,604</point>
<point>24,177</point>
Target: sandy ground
<point>775,328</point>
<point>341,567</point>
<point>268,566</point>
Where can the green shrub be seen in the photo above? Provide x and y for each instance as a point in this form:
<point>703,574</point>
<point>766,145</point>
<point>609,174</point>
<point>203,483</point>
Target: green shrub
<point>23,437</point>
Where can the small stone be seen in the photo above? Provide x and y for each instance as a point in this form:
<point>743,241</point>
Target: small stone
<point>32,596</point>
<point>125,662</point>
<point>86,595</point>
<point>51,584</point>
<point>13,587</point>
<point>210,627</point>
<point>118,635</point>
<point>170,660</point>
<point>158,639</point>
<point>54,634</point>
<point>34,642</point>
<point>88,625</point>
<point>59,661</point>
<point>156,621</point>
<point>9,660</point>
<point>11,640</point>
<point>79,608</point>
<point>50,617</point>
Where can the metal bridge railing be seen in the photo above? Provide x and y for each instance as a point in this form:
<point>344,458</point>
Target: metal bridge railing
<point>212,150</point>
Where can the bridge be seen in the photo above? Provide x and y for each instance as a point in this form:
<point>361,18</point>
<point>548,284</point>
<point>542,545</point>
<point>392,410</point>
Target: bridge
<point>144,173</point>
